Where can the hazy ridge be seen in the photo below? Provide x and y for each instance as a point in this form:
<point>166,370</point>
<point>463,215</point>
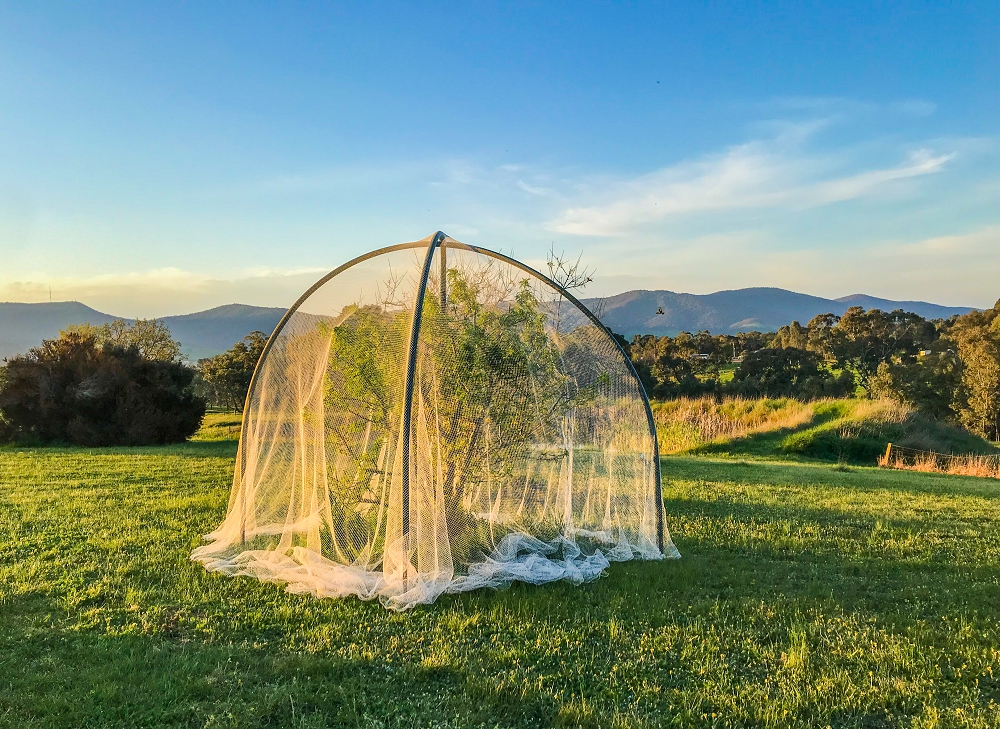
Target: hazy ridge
<point>201,334</point>
<point>209,332</point>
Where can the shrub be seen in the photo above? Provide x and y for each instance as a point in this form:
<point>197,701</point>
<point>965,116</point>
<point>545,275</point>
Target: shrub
<point>70,390</point>
<point>225,378</point>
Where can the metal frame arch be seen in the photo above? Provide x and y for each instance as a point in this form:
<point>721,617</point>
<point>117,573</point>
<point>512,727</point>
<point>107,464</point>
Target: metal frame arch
<point>442,241</point>
<point>411,367</point>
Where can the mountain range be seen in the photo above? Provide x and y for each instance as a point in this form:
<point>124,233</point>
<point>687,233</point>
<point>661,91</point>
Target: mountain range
<point>739,310</point>
<point>206,333</point>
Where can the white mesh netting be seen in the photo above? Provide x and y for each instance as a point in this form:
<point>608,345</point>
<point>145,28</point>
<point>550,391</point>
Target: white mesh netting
<point>510,442</point>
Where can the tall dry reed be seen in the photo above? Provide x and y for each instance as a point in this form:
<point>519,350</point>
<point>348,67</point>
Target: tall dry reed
<point>689,422</point>
<point>980,466</point>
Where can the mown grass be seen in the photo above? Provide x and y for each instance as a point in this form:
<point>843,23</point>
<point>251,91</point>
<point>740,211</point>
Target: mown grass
<point>807,595</point>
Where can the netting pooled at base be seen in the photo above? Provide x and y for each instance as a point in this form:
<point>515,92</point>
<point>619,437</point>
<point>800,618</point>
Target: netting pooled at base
<point>435,418</point>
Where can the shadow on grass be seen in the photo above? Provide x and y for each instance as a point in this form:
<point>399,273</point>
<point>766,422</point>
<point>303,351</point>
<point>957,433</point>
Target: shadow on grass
<point>208,650</point>
<point>72,678</point>
<point>778,556</point>
<point>748,595</point>
<point>769,442</point>
<point>818,473</point>
<point>196,449</point>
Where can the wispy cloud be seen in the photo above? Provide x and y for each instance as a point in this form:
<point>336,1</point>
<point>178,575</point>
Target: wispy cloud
<point>960,270</point>
<point>752,175</point>
<point>840,108</point>
<point>532,190</point>
<point>820,197</point>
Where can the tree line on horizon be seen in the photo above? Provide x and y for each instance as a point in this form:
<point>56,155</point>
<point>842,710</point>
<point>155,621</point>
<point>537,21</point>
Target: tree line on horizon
<point>126,383</point>
<point>948,369</point>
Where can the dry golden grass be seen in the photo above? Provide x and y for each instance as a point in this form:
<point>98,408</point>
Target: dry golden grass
<point>689,422</point>
<point>849,430</point>
<point>882,412</point>
<point>980,466</point>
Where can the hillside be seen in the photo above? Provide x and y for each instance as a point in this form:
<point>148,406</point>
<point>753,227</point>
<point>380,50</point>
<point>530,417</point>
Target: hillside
<point>23,326</point>
<point>850,430</point>
<point>206,333</point>
<point>924,309</point>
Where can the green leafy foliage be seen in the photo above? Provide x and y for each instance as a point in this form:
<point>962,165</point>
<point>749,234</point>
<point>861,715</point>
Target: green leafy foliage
<point>688,365</point>
<point>861,340</point>
<point>787,372</point>
<point>946,370</point>
<point>485,356</point>
<point>977,336</point>
<point>150,337</point>
<point>488,381</point>
<point>929,382</point>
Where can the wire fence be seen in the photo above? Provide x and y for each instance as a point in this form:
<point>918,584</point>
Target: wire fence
<point>912,459</point>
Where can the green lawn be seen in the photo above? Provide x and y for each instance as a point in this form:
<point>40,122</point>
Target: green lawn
<point>807,596</point>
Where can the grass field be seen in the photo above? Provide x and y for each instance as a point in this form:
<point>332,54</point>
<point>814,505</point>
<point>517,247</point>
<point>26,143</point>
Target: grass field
<point>808,595</point>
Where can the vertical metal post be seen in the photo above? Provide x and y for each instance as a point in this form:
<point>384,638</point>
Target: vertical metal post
<point>411,368</point>
<point>443,253</point>
<point>243,489</point>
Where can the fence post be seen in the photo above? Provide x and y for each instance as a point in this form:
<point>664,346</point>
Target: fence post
<point>888,454</point>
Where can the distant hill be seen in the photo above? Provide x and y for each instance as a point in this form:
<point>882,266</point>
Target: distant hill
<point>726,312</point>
<point>23,326</point>
<point>207,333</point>
<point>201,334</point>
<point>927,311</point>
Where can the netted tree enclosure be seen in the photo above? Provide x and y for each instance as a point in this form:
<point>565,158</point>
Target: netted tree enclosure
<point>435,417</point>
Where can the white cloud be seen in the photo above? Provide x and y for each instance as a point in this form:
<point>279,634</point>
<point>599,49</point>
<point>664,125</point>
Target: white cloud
<point>753,175</point>
<point>774,210</point>
<point>532,190</point>
<point>920,162</point>
<point>959,270</point>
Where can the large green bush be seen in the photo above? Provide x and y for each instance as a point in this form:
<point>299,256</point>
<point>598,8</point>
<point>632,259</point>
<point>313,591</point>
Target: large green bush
<point>71,390</point>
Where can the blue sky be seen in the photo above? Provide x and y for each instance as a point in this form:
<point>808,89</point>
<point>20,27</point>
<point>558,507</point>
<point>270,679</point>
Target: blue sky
<point>158,159</point>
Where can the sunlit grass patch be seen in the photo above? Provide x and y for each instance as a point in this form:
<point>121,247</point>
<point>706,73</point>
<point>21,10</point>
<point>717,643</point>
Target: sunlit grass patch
<point>806,596</point>
<point>219,426</point>
<point>687,423</point>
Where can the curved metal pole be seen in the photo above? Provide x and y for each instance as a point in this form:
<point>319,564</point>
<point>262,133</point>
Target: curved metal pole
<point>411,368</point>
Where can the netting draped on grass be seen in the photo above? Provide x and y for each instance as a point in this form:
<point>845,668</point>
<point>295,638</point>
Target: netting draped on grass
<point>434,418</point>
